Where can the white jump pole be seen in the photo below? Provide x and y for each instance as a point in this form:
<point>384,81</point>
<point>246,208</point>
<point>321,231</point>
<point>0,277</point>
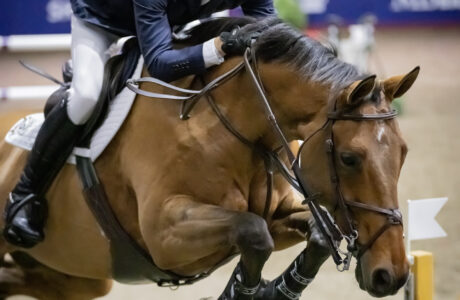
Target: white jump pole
<point>32,43</point>
<point>36,42</point>
<point>21,93</point>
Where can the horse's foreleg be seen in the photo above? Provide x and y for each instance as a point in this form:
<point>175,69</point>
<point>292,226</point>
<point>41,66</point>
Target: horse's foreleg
<point>290,230</point>
<point>296,278</point>
<point>195,236</point>
<point>255,244</point>
<point>287,231</point>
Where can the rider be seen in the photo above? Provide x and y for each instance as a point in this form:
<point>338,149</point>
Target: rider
<point>96,24</point>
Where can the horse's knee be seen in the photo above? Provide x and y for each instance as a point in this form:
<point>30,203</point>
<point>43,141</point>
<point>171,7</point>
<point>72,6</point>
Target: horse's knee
<point>252,235</point>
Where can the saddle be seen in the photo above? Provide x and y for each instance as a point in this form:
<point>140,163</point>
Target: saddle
<point>109,115</point>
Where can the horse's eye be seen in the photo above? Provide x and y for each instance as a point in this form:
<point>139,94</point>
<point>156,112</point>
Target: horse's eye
<point>350,160</point>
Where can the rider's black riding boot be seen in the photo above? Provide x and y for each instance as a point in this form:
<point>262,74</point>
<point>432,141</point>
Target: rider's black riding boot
<point>236,290</point>
<point>26,208</point>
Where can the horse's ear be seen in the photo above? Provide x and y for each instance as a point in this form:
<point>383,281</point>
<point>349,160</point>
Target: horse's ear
<point>359,89</point>
<point>396,86</point>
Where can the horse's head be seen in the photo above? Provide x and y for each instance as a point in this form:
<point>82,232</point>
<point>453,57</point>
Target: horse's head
<point>317,97</point>
<point>305,83</point>
<point>367,159</point>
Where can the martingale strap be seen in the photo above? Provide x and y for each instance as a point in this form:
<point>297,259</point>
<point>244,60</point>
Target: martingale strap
<point>271,159</point>
<point>325,223</point>
<point>329,231</point>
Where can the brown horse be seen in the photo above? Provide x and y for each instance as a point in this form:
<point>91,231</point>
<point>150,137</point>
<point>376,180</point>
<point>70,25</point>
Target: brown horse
<point>192,194</point>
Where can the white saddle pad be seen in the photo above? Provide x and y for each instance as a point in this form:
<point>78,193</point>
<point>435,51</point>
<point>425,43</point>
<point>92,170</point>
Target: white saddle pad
<point>24,132</point>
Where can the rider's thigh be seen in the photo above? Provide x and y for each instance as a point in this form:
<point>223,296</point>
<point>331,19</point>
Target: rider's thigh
<point>86,84</point>
<point>89,55</point>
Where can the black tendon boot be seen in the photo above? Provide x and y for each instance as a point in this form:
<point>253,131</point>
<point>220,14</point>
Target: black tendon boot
<point>26,208</point>
<point>289,285</point>
<point>301,272</point>
<point>236,290</point>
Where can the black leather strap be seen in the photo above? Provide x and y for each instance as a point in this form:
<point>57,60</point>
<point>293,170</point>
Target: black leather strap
<point>339,115</point>
<point>130,262</point>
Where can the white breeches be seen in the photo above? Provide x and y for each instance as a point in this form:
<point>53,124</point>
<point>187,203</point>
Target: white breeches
<point>89,55</point>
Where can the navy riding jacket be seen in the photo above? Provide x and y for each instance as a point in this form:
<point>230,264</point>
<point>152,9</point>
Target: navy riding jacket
<point>151,21</point>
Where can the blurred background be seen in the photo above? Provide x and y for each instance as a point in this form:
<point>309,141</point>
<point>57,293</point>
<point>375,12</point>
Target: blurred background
<point>385,37</point>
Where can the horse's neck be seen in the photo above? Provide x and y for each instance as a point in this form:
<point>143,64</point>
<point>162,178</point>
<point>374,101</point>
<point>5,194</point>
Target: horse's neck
<point>293,102</point>
<point>296,102</point>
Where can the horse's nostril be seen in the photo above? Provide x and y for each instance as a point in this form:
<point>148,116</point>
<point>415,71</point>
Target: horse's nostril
<point>382,281</point>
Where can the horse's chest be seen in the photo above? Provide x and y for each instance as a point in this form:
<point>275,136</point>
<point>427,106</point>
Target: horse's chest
<point>225,188</point>
<point>221,178</point>
<point>234,199</point>
<point>246,192</point>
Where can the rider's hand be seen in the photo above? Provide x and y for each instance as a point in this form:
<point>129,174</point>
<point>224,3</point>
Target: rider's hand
<point>236,42</point>
<point>218,44</point>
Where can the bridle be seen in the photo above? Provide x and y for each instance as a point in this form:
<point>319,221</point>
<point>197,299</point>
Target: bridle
<point>332,234</point>
<point>348,230</point>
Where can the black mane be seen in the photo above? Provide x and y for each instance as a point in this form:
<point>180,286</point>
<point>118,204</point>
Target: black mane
<point>280,42</point>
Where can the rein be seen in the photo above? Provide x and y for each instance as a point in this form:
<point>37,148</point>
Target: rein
<point>327,225</point>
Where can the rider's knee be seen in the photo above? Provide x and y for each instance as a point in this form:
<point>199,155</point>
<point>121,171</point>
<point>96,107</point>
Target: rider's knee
<point>253,234</point>
<point>86,90</point>
<point>81,105</point>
